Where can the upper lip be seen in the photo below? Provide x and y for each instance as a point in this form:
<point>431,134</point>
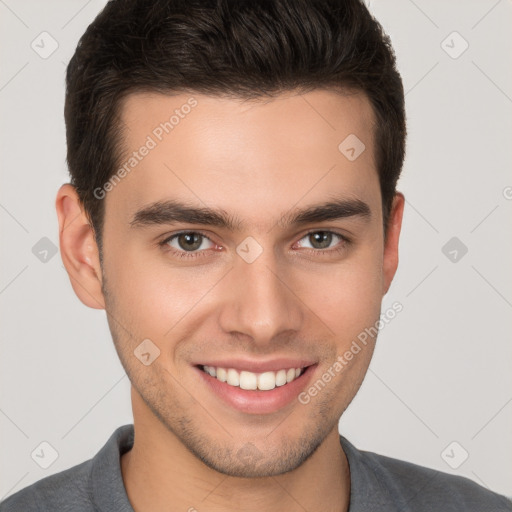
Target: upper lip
<point>258,366</point>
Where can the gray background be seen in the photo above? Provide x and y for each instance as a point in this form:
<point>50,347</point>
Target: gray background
<point>442,368</point>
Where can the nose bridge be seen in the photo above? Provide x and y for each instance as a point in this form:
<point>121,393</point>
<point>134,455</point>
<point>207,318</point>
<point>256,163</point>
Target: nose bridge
<point>259,304</point>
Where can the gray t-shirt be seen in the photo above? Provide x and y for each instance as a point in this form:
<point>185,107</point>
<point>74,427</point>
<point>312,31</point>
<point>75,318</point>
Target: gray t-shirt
<point>378,483</point>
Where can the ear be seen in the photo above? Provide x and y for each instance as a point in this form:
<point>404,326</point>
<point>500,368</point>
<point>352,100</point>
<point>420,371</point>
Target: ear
<point>390,259</point>
<point>78,248</point>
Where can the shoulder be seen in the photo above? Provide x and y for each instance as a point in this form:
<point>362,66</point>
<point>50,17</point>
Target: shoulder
<point>95,484</point>
<point>66,491</point>
<point>379,480</point>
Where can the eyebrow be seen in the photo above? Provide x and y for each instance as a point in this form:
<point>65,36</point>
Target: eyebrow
<point>172,211</point>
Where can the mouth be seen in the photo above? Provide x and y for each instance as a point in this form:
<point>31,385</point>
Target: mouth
<point>262,391</point>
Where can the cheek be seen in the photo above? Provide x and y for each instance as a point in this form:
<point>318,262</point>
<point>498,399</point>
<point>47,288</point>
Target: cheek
<point>156,296</point>
<point>347,295</point>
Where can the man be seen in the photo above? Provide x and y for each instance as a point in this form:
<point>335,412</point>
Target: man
<point>233,208</point>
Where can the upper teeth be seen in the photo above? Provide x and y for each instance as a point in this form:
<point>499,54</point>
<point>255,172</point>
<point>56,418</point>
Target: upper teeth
<point>249,380</point>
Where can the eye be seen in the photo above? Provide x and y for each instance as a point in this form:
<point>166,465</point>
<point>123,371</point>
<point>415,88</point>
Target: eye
<point>320,241</point>
<point>187,243</point>
<point>193,244</point>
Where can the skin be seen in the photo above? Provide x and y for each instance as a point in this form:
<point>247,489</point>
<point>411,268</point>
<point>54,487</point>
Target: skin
<point>259,160</point>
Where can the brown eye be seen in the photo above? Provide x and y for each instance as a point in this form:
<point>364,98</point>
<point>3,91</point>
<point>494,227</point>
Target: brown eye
<point>323,243</point>
<point>187,244</point>
<point>189,241</point>
<point>320,239</point>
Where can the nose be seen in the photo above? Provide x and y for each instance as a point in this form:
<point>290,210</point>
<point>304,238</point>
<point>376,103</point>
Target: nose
<point>260,301</point>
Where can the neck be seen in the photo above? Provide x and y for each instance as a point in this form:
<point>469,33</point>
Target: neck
<point>160,474</point>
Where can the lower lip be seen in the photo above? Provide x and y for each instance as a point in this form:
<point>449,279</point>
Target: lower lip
<point>257,401</point>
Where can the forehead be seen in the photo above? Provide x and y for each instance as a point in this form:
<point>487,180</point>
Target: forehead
<point>268,154</point>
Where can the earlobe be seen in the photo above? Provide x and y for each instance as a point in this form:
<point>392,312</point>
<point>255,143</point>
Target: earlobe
<point>390,259</point>
<point>78,248</point>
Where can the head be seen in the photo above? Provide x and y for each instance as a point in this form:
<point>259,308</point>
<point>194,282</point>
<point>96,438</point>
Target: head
<point>271,135</point>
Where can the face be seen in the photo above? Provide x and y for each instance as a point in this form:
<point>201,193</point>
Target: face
<point>245,241</point>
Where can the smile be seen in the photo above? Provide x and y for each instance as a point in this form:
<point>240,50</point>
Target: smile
<point>265,381</point>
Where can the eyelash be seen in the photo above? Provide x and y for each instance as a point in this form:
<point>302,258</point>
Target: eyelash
<point>187,254</point>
